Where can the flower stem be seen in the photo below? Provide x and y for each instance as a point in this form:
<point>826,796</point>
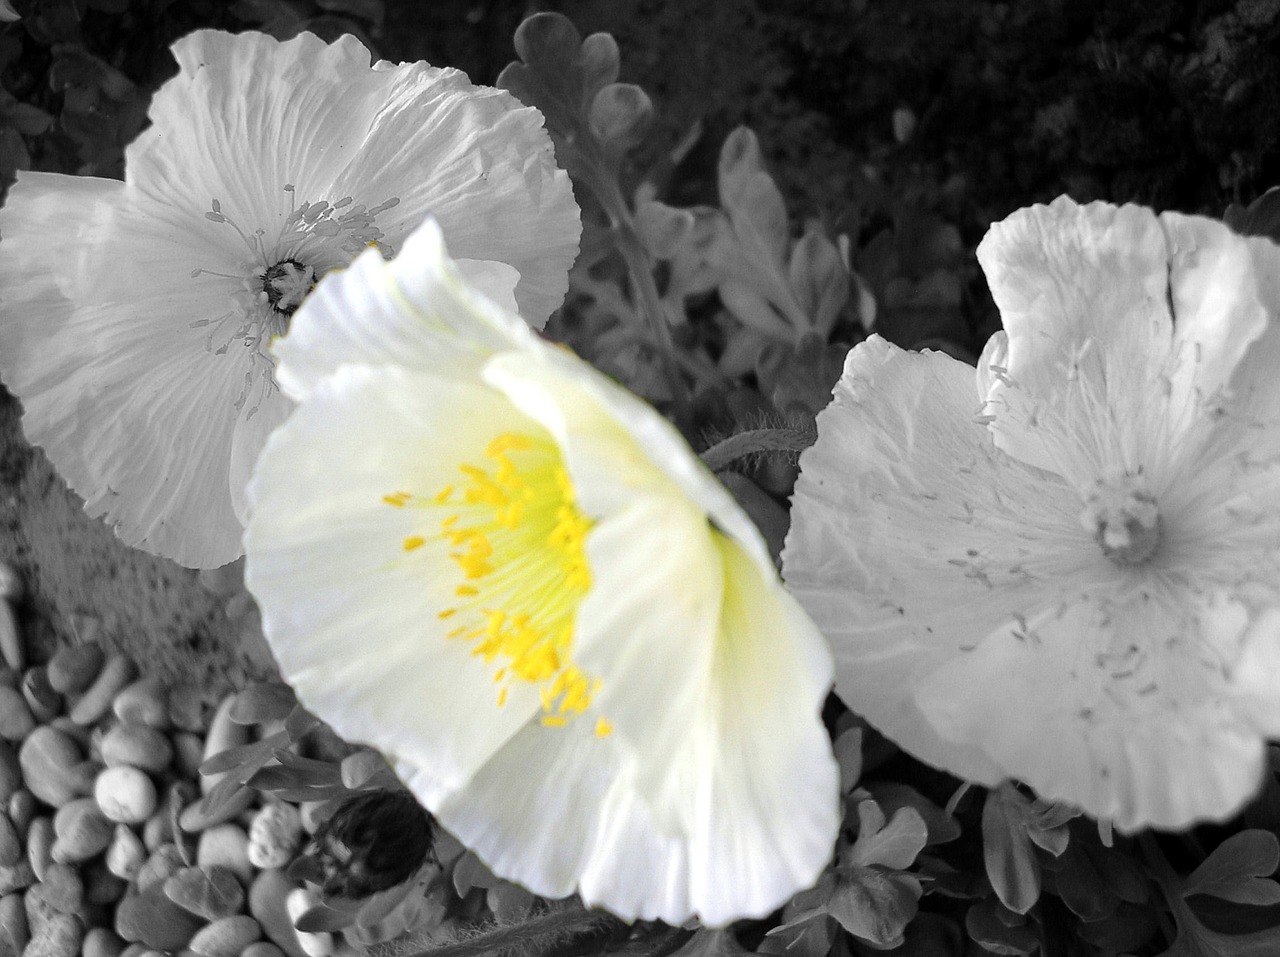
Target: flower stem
<point>756,441</point>
<point>640,273</point>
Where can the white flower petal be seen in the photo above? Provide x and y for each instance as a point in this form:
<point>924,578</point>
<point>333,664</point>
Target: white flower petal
<point>297,111</point>
<point>480,163</point>
<point>416,310</point>
<point>913,537</point>
<point>327,564</point>
<point>1125,718</point>
<point>697,776</point>
<point>144,431</point>
<point>246,186</point>
<point>1082,293</point>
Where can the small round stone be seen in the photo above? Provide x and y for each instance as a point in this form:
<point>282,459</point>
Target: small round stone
<point>226,936</point>
<point>74,667</point>
<point>101,942</point>
<point>125,794</point>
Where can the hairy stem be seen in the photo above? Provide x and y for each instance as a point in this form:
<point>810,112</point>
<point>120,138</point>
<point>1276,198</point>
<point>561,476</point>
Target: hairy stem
<point>539,935</point>
<point>756,441</point>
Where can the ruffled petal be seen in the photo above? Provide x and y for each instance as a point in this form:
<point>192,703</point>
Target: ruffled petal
<point>249,115</point>
<point>913,538</point>
<point>1145,730</point>
<point>1082,294</point>
<point>416,310</point>
<point>117,386</point>
<point>480,163</point>
<point>327,561</point>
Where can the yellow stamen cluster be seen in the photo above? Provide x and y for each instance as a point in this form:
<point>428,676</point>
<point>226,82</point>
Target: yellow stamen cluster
<point>514,530</point>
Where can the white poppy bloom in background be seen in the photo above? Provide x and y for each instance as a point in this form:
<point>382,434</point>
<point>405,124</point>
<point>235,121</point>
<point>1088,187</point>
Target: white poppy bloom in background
<point>476,553</point>
<point>135,316</point>
<point>1079,587</point>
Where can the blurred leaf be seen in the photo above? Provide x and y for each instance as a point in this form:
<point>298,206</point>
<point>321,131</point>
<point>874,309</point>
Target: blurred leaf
<point>819,279</point>
<point>990,924</point>
<point>620,116</point>
<point>1236,869</point>
<point>712,943</point>
<point>509,902</point>
<point>1007,851</point>
<point>321,918</point>
<point>848,754</point>
<point>559,73</point>
<point>892,795</point>
<point>662,228</point>
<point>875,905</point>
<point>1260,218</point>
<point>263,701</point>
<point>894,844</point>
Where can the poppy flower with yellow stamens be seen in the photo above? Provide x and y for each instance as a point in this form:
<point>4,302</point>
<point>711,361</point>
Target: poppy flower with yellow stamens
<point>513,577</point>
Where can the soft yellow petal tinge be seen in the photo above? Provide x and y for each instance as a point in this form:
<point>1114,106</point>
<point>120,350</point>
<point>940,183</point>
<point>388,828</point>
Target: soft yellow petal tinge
<point>606,687</point>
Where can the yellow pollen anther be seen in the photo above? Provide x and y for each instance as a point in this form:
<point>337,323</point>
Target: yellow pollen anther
<point>398,499</point>
<point>414,541</point>
<point>518,538</point>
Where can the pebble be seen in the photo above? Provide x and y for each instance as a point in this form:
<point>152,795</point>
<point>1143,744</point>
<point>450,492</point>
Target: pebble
<point>101,942</point>
<point>125,794</point>
<point>80,831</point>
<point>226,936</point>
<point>10,583</point>
<point>299,901</point>
<point>100,885</point>
<point>150,918</point>
<point>40,845</point>
<point>10,772</point>
<point>16,719</point>
<point>96,700</point>
<point>16,878</point>
<point>10,637</point>
<point>60,937</point>
<point>225,845</point>
<point>10,842</point>
<point>46,758</point>
<point>14,932</point>
<point>274,835</point>
<point>186,708</point>
<point>188,753</point>
<point>74,667</point>
<point>267,897</point>
<point>44,702</point>
<point>138,745</point>
<point>22,810</point>
<point>223,733</point>
<point>126,853</point>
<point>62,888</point>
<point>262,948</point>
<point>164,861</point>
<point>194,818</point>
<point>209,892</point>
<point>146,702</point>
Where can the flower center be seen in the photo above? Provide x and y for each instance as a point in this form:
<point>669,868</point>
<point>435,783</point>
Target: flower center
<point>515,532</point>
<point>286,283</point>
<point>1124,519</point>
<point>279,273</point>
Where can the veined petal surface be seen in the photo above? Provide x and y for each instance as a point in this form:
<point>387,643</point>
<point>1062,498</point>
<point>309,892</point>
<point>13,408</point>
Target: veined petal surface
<point>267,164</point>
<point>1077,587</point>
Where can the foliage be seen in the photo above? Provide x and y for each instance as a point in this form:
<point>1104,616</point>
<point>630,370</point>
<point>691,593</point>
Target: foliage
<point>735,318</point>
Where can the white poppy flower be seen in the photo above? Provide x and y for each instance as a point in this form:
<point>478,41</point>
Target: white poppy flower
<point>135,316</point>
<point>476,553</point>
<point>1080,587</point>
